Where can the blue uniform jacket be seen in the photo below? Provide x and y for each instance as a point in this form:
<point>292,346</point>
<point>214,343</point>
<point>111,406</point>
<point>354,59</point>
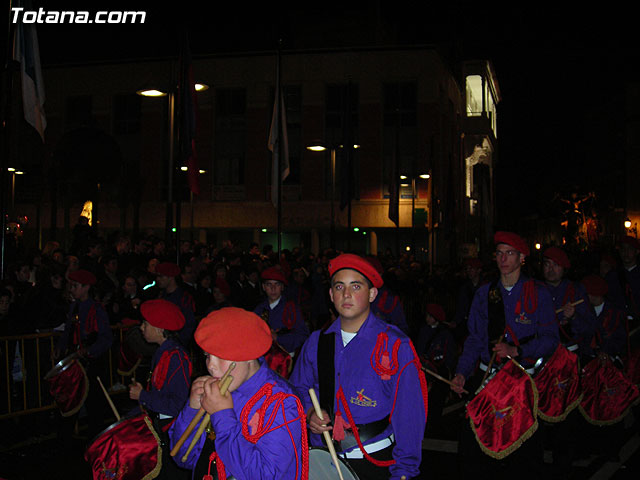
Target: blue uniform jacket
<point>104,337</point>
<point>174,390</point>
<point>540,327</point>
<point>273,456</point>
<point>612,330</point>
<point>184,301</point>
<point>290,339</point>
<point>583,324</point>
<point>371,398</point>
<point>438,346</point>
<point>617,294</point>
<point>388,307</point>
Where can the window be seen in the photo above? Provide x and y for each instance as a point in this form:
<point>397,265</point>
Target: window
<point>126,114</point>
<point>474,96</point>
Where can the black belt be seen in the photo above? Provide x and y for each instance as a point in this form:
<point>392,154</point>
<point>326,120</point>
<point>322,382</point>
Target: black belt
<point>366,431</point>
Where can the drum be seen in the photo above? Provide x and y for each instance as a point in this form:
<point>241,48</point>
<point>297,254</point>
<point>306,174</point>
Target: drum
<point>68,385</point>
<point>127,450</point>
<point>321,466</point>
<point>607,393</point>
<point>558,384</point>
<point>503,414</point>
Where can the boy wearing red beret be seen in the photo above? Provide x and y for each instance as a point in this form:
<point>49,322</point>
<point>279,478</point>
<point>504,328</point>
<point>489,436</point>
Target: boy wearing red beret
<point>259,423</point>
<point>368,379</point>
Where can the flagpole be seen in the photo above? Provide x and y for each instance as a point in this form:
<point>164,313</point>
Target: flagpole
<point>279,156</point>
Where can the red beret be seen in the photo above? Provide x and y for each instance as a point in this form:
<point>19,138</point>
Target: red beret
<point>84,277</point>
<point>595,285</point>
<point>168,269</point>
<point>557,255</point>
<point>234,334</point>
<point>274,273</point>
<point>376,264</point>
<point>162,314</point>
<point>473,262</point>
<point>512,239</point>
<point>629,240</point>
<point>436,311</point>
<point>357,263</point>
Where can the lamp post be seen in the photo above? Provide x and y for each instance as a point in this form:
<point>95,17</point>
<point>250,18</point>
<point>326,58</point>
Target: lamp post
<point>404,183</point>
<point>320,147</point>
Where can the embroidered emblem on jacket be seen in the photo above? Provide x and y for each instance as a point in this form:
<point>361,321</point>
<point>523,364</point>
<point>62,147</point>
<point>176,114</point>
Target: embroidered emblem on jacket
<point>363,400</point>
<point>523,319</point>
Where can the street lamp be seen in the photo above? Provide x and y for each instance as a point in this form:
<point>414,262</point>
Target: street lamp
<point>404,182</point>
<point>321,147</point>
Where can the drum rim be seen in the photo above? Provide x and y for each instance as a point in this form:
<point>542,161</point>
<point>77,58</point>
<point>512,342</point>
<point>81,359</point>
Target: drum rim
<point>61,366</point>
<point>343,461</point>
<point>114,425</point>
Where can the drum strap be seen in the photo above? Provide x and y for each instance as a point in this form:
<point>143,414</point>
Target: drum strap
<point>496,324</point>
<point>326,374</point>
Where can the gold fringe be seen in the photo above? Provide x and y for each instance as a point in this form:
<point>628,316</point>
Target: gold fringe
<point>156,471</point>
<point>525,436</point>
<point>563,415</point>
<point>84,395</point>
<point>604,423</point>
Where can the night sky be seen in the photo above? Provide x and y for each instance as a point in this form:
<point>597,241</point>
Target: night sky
<point>561,70</point>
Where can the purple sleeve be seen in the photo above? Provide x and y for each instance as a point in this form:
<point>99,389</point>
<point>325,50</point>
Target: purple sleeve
<point>408,418</point>
<point>276,454</point>
<point>583,323</point>
<point>476,344</point>
<point>175,432</point>
<point>304,375</point>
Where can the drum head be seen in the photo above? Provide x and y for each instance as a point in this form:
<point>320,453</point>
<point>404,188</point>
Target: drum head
<point>61,366</point>
<point>321,466</point>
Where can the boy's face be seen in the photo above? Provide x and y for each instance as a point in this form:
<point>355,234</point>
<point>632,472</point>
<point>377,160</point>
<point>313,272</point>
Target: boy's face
<point>218,366</point>
<point>273,289</point>
<point>350,294</point>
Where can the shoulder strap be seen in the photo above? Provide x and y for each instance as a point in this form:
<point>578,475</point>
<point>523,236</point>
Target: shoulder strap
<point>326,370</point>
<point>497,322</point>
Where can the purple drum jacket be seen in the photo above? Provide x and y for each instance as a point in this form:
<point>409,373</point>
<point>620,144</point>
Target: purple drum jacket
<point>539,329</point>
<point>369,397</point>
<point>272,457</point>
<point>103,338</point>
<point>583,324</point>
<point>289,338</point>
<point>388,307</point>
<point>173,392</point>
<point>611,330</point>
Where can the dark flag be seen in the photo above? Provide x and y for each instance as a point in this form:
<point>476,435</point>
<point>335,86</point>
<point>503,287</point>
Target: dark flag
<point>187,123</point>
<point>278,141</point>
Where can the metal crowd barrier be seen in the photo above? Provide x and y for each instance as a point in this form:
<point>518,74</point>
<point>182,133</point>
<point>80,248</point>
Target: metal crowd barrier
<point>23,389</point>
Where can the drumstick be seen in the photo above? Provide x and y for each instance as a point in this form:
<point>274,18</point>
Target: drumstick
<point>205,421</point>
<point>449,382</point>
<point>113,407</point>
<point>327,436</point>
<point>196,419</point>
<point>573,304</point>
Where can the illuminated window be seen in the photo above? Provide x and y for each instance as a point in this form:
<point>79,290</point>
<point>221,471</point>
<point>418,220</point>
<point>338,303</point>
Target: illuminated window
<point>474,96</point>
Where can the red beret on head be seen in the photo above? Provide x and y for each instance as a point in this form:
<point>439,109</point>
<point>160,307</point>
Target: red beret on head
<point>629,240</point>
<point>168,269</point>
<point>162,314</point>
<point>357,263</point>
<point>274,273</point>
<point>436,311</point>
<point>557,255</point>
<point>473,262</point>
<point>84,277</point>
<point>376,264</point>
<point>234,334</point>
<point>595,285</point>
<point>512,239</point>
